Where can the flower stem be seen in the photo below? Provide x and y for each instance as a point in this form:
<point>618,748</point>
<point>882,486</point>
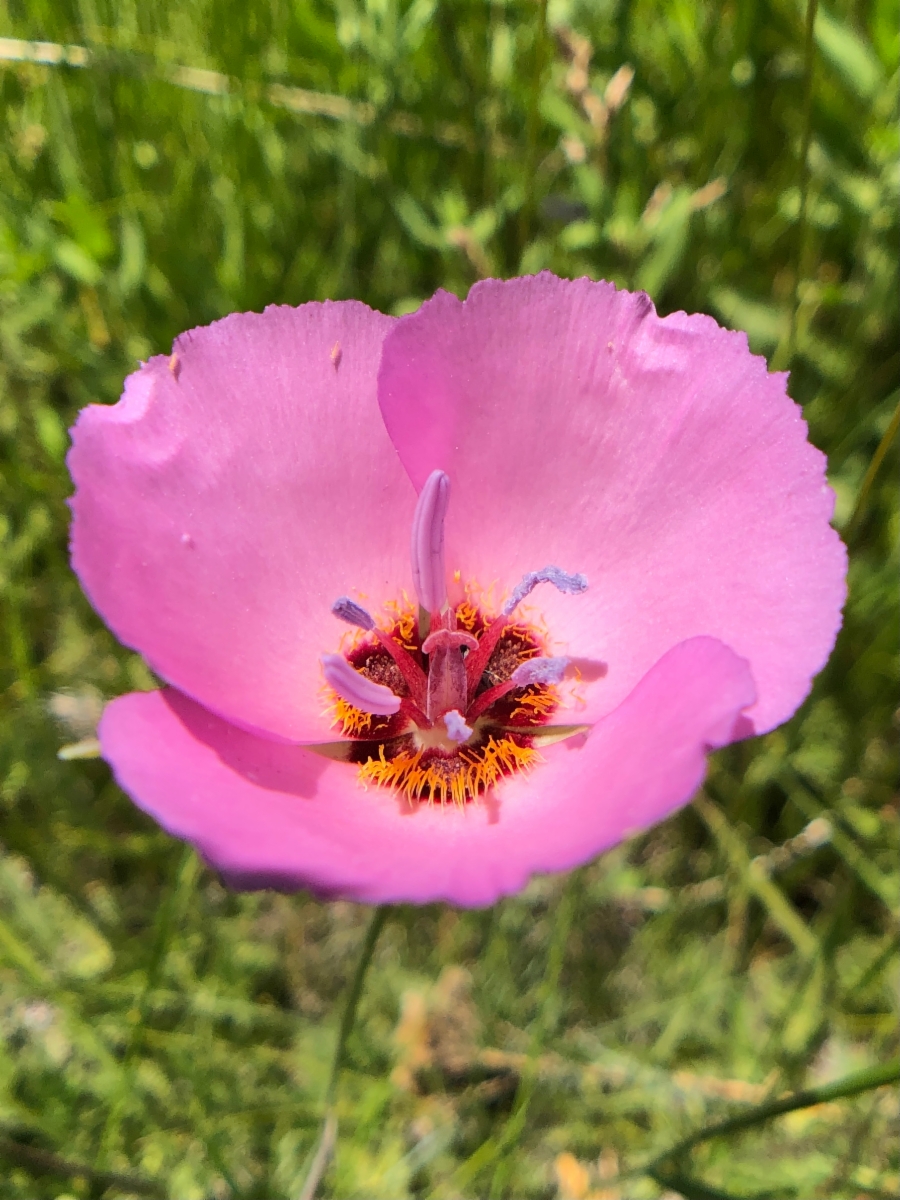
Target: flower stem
<point>874,466</point>
<point>547,1020</point>
<point>497,1149</point>
<point>171,912</point>
<point>328,1136</point>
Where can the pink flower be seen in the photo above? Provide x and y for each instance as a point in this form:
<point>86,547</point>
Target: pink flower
<point>250,498</point>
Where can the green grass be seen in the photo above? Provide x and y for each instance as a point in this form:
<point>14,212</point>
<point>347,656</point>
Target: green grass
<point>164,163</point>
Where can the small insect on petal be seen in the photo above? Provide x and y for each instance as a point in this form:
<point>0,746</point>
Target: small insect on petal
<point>336,355</point>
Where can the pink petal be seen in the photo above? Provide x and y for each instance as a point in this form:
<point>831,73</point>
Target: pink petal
<point>232,495</point>
<point>656,455</point>
<point>270,814</point>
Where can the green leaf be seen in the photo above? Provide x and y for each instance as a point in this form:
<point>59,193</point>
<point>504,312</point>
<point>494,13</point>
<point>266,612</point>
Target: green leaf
<point>849,55</point>
<point>77,262</point>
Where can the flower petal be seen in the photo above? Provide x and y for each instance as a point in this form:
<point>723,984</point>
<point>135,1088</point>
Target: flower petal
<point>231,495</point>
<point>656,455</point>
<point>270,814</point>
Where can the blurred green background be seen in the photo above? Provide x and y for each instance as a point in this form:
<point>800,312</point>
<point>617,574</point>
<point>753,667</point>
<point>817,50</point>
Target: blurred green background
<point>163,163</point>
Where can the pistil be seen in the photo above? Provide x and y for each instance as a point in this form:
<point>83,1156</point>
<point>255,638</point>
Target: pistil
<point>447,689</point>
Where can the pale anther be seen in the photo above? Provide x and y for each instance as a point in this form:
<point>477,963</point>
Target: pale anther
<point>457,729</point>
<point>563,581</point>
<point>427,543</point>
<point>356,689</point>
<point>539,670</point>
<point>351,612</point>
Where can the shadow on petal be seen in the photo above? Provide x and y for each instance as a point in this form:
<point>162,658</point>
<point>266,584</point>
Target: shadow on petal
<point>743,728</point>
<point>275,766</point>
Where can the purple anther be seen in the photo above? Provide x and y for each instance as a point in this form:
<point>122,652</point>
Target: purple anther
<point>427,544</point>
<point>457,729</point>
<point>539,670</point>
<point>563,581</point>
<point>351,612</point>
<point>362,693</point>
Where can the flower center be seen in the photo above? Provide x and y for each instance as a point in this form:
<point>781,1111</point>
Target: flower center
<point>446,700</point>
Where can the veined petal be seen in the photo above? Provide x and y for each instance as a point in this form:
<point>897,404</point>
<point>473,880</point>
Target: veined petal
<point>233,492</point>
<point>655,455</point>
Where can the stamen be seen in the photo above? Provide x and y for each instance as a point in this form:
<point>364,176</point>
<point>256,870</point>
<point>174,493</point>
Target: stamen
<point>457,729</point>
<point>356,689</point>
<point>539,670</point>
<point>427,543</point>
<point>409,668</point>
<point>354,614</point>
<point>535,670</point>
<point>351,612</point>
<point>563,581</point>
